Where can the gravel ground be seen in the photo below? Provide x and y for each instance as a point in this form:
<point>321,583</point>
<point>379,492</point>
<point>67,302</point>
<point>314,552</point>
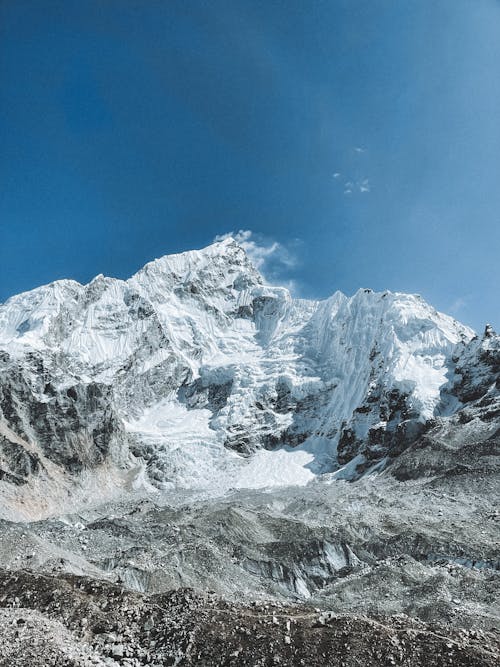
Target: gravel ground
<point>401,568</point>
<point>76,621</point>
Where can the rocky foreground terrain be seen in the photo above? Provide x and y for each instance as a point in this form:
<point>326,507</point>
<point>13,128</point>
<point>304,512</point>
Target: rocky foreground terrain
<point>73,620</point>
<point>381,571</point>
<point>197,469</point>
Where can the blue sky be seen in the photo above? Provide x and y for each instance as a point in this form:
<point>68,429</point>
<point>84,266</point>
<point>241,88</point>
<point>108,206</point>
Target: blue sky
<point>358,140</point>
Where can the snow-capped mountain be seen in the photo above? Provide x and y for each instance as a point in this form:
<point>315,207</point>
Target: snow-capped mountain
<point>195,373</point>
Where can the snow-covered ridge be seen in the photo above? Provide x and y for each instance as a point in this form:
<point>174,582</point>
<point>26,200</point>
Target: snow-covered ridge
<point>216,377</point>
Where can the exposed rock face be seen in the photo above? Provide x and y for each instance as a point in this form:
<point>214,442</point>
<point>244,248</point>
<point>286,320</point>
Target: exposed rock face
<point>465,436</point>
<point>195,368</point>
<point>477,374</point>
<point>74,426</point>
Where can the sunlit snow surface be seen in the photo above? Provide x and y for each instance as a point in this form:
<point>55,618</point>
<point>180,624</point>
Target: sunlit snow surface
<point>200,352</point>
<point>185,439</point>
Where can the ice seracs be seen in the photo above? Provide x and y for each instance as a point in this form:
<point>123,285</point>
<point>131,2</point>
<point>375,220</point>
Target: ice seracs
<point>208,377</point>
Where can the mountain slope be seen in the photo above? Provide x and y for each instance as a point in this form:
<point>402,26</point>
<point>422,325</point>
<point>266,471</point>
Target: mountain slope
<point>194,373</point>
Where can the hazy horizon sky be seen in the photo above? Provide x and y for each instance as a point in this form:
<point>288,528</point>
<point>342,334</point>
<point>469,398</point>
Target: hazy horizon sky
<point>358,140</point>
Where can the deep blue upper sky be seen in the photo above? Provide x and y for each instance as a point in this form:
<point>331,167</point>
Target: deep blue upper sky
<point>362,135</point>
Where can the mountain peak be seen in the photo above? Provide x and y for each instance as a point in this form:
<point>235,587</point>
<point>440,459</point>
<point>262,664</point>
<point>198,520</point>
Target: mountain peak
<point>226,255</point>
<point>195,366</point>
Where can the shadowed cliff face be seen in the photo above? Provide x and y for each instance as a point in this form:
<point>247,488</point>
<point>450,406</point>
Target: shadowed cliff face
<point>75,427</point>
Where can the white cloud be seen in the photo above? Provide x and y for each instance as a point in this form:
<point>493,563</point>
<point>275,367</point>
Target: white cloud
<point>351,187</point>
<point>351,178</point>
<point>272,259</point>
<point>458,305</point>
